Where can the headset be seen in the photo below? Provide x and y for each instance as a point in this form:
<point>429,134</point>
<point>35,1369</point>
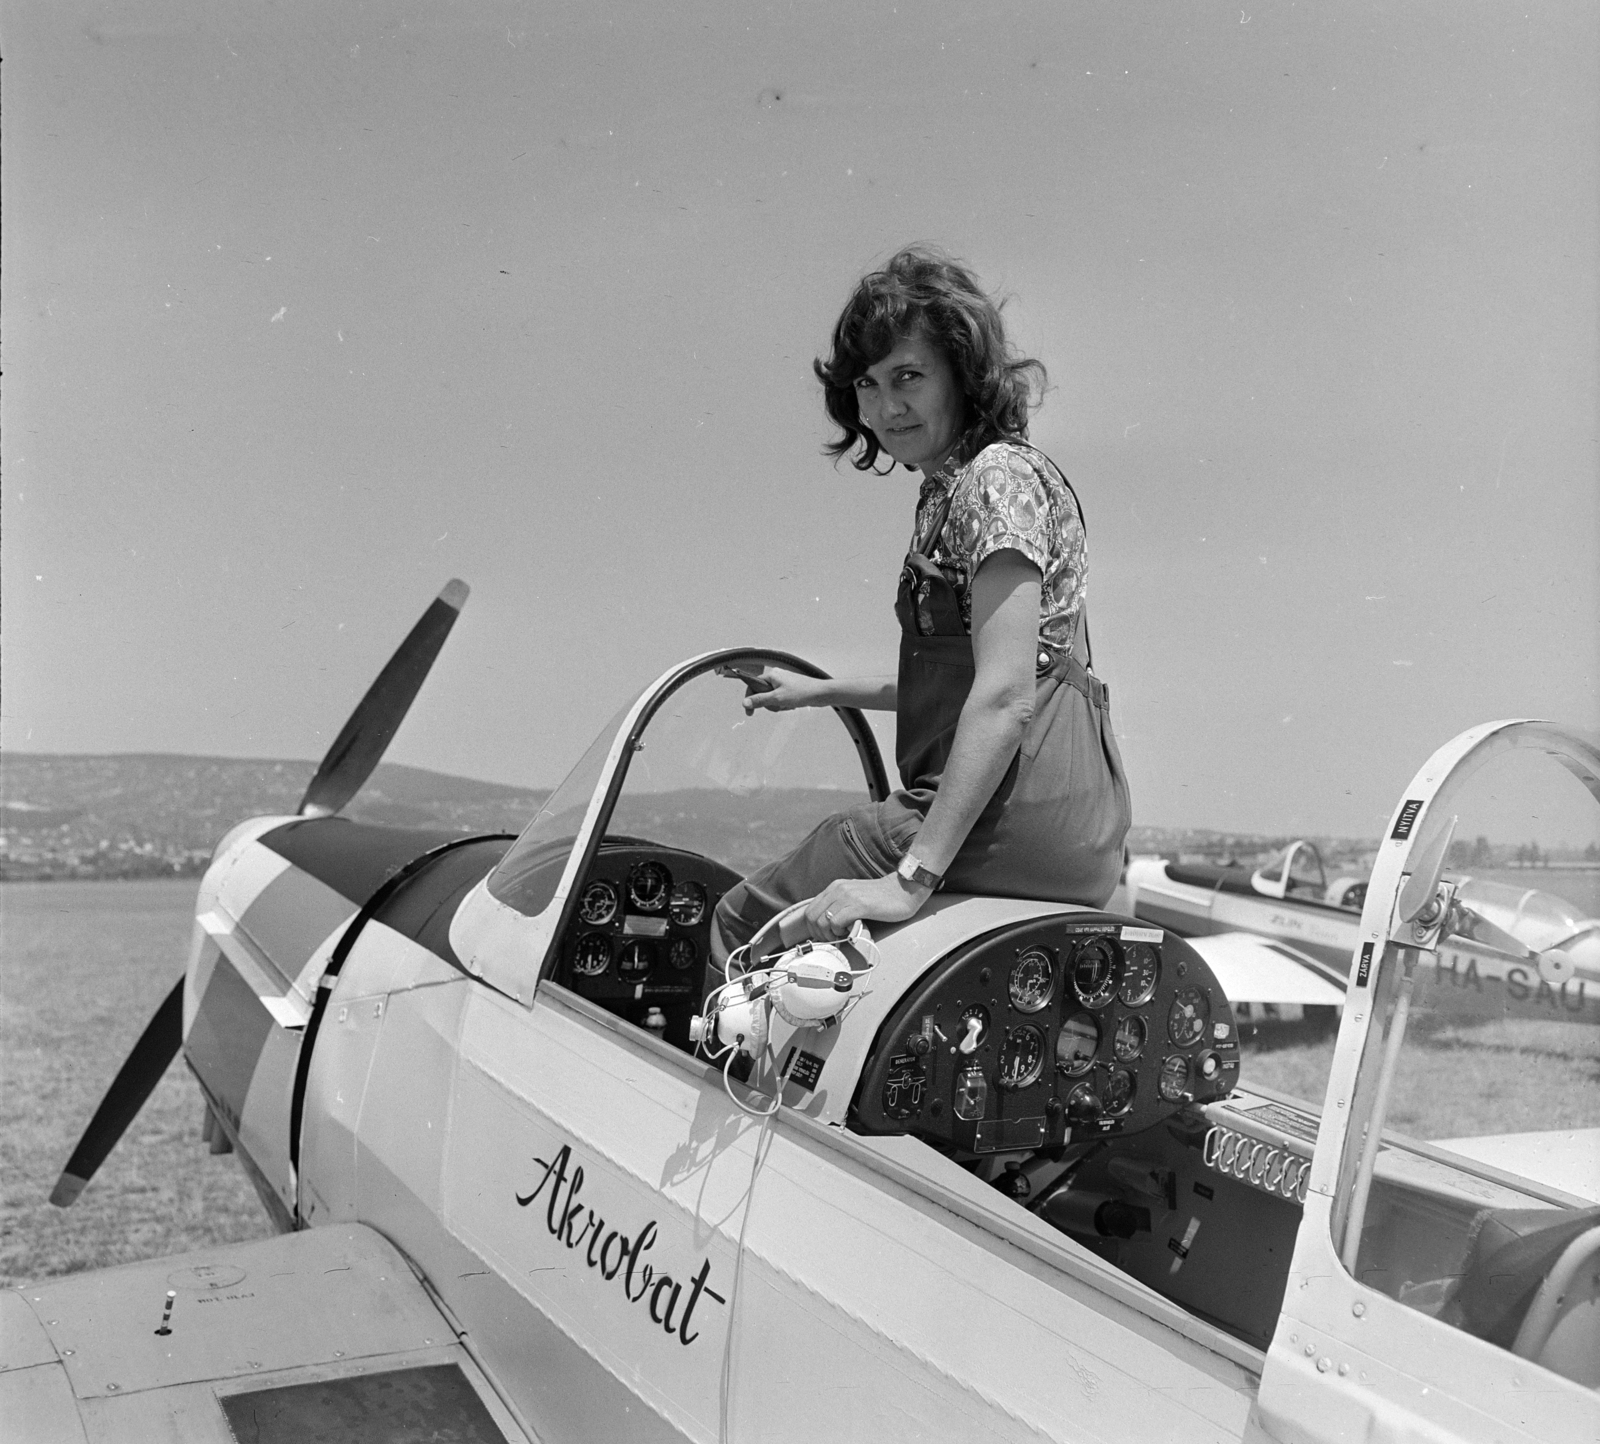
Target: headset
<point>811,985</point>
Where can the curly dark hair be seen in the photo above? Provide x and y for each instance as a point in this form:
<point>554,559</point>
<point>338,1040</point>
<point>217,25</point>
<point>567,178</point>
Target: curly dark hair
<point>922,291</point>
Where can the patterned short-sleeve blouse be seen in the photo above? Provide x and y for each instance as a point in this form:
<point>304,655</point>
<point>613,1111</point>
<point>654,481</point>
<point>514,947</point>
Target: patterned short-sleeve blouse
<point>1008,495</point>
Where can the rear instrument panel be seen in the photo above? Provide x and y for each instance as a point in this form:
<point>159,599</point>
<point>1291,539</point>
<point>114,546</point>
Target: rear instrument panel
<point>1082,1025</point>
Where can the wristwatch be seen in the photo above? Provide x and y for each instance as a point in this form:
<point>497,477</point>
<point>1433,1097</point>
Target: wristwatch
<point>912,871</point>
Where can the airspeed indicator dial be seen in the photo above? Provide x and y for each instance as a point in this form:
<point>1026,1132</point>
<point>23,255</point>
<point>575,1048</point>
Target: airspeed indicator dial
<point>598,905</point>
<point>1033,981</point>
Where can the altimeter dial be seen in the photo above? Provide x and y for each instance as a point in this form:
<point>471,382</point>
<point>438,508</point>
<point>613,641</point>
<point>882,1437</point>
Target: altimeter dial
<point>1021,1058</point>
<point>592,956</point>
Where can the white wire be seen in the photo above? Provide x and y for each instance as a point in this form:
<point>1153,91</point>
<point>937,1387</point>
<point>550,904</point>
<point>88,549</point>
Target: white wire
<point>727,1087</point>
<point>725,1389</point>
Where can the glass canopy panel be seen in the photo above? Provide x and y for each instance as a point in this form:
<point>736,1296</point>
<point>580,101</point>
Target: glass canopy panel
<point>702,776</point>
<point>1305,871</point>
<point>526,877</point>
<point>1496,1060</point>
<point>741,790</point>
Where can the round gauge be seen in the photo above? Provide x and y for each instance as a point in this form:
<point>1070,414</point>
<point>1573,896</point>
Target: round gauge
<point>1188,1016</point>
<point>1174,1077</point>
<point>1083,1104</point>
<point>636,960</point>
<point>1021,1058</point>
<point>1128,1043</point>
<point>973,1028</point>
<point>682,954</point>
<point>1033,981</point>
<point>1118,1093</point>
<point>1141,971</point>
<point>1076,1044</point>
<point>648,886</point>
<point>1094,972</point>
<point>688,904</point>
<point>598,905</point>
<point>592,956</point>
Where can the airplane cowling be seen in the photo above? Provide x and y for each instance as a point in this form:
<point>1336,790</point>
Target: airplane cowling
<point>271,912</point>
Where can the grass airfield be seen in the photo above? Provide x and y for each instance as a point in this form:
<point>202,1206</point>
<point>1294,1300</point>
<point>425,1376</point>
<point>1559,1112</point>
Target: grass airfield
<point>82,967</point>
<point>84,964</point>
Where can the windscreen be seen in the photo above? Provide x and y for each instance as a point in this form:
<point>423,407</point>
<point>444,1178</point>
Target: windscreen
<point>702,776</point>
<point>741,790</point>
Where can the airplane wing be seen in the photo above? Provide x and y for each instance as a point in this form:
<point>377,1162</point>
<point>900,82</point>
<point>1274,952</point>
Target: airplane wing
<point>323,1334</point>
<point>1256,970</point>
<point>1564,1158</point>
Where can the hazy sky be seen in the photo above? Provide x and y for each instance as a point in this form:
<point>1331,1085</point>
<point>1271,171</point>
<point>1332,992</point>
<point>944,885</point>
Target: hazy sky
<point>308,308</point>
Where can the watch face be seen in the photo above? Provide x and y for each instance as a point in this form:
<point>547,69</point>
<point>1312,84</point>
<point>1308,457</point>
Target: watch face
<point>912,870</point>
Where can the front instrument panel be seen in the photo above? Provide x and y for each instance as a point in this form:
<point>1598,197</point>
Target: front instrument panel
<point>1070,1026</point>
<point>639,937</point>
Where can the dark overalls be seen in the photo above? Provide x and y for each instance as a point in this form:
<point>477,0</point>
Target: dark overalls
<point>1053,829</point>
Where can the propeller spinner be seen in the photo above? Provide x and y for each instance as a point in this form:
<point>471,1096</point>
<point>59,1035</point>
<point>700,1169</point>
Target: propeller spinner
<point>357,749</point>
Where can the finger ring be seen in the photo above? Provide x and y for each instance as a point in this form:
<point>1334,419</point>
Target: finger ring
<point>827,917</point>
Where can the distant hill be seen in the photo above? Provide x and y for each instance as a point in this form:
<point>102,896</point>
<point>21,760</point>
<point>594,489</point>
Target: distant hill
<point>155,814</point>
<point>160,815</point>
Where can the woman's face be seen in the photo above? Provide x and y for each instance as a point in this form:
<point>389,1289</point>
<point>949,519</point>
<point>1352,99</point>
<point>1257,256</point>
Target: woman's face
<point>912,402</point>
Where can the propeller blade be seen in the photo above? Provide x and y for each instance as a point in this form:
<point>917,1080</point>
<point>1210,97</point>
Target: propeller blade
<point>157,1046</point>
<point>1426,870</point>
<point>361,745</point>
<point>1473,927</point>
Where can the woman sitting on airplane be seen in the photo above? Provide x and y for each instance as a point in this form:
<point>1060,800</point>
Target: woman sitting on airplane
<point>1012,780</point>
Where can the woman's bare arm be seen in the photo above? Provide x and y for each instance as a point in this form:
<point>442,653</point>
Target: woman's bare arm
<point>771,689</point>
<point>1005,638</point>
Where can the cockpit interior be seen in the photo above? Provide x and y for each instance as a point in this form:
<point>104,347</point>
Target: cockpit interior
<point>1083,1065</point>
